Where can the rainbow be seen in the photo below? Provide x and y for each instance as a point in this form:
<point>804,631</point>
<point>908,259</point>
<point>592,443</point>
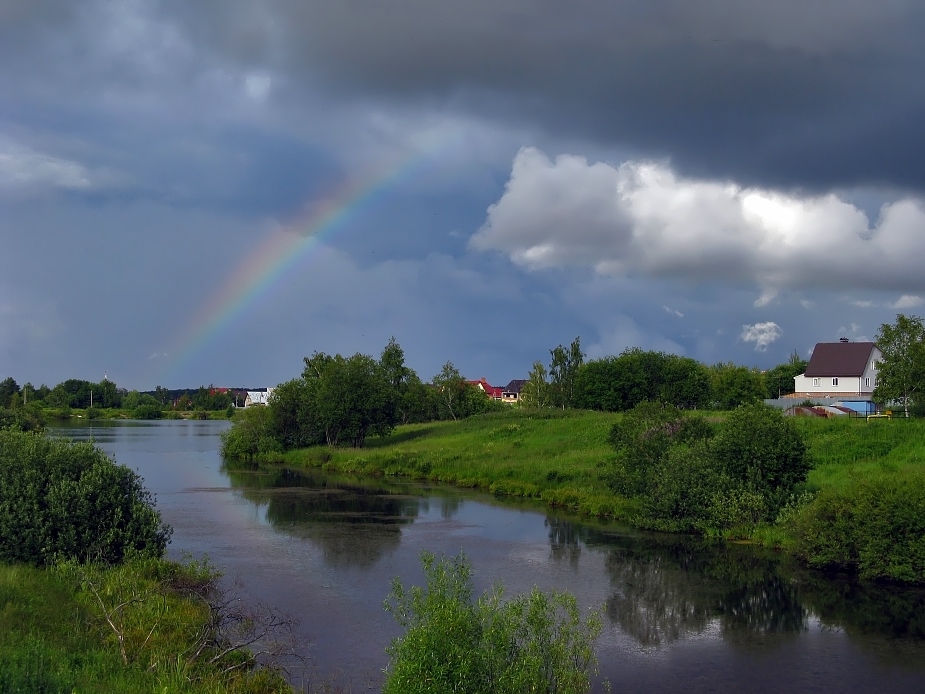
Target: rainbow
<point>286,248</point>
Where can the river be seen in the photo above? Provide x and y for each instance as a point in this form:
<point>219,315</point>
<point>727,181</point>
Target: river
<point>681,615</point>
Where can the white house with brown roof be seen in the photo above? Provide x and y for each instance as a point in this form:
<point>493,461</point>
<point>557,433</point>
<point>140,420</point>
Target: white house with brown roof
<point>839,368</point>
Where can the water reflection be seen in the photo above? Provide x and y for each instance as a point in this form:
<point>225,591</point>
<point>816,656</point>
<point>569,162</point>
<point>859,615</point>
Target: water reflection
<point>668,588</point>
<point>714,617</point>
<point>354,525</point>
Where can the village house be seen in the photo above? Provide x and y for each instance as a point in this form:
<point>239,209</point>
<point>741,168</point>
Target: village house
<point>494,392</point>
<point>511,392</point>
<point>258,397</point>
<point>838,369</point>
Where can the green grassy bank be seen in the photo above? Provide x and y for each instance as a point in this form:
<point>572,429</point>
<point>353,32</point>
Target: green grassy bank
<point>546,454</point>
<point>863,506</point>
<point>131,628</point>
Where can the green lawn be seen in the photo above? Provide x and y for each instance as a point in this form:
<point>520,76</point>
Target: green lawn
<point>846,449</point>
<point>557,456</point>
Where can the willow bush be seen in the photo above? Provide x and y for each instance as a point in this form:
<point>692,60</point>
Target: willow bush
<point>66,500</point>
<point>530,643</point>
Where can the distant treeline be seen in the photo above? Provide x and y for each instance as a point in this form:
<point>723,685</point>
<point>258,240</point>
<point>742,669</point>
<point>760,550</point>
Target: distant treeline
<point>27,407</point>
<point>340,401</point>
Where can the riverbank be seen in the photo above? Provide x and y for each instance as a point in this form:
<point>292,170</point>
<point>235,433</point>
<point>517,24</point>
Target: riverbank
<point>866,484</point>
<point>552,455</point>
<point>116,413</point>
<point>130,628</point>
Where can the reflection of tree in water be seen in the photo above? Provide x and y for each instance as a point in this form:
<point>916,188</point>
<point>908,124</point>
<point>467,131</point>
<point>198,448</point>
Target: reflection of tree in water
<point>667,589</point>
<point>354,525</point>
<point>564,539</point>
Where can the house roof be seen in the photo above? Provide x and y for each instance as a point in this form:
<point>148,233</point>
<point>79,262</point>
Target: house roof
<point>839,359</point>
<point>490,391</point>
<point>515,386</point>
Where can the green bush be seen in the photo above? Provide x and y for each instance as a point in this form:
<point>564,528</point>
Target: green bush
<point>642,439</point>
<point>687,478</point>
<point>758,447</point>
<point>60,499</point>
<point>874,526</point>
<point>531,643</point>
<point>22,419</point>
<point>252,435</point>
<point>147,411</point>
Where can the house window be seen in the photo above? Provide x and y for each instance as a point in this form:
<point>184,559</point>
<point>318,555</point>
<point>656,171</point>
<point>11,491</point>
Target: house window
<point>834,381</point>
<point>815,383</point>
<point>867,383</point>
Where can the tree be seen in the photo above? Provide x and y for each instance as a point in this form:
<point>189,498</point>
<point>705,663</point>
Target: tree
<point>734,385</point>
<point>8,387</point>
<point>535,392</point>
<point>563,370</point>
<point>901,372</point>
<point>451,386</point>
<point>778,381</point>
<point>350,397</point>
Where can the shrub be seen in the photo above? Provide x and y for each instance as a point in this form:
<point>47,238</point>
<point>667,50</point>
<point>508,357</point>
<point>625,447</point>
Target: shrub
<point>147,411</point>
<point>69,500</point>
<point>532,643</point>
<point>251,435</point>
<point>644,436</point>
<point>874,526</point>
<point>760,448</point>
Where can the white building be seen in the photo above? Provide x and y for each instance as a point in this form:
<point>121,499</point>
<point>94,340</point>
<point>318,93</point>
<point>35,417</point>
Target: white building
<point>258,397</point>
<point>840,368</point>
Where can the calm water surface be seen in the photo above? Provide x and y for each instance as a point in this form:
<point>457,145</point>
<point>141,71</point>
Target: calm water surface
<point>681,615</point>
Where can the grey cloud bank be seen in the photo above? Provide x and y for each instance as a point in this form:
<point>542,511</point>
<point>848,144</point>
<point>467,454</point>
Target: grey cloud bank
<point>722,180</point>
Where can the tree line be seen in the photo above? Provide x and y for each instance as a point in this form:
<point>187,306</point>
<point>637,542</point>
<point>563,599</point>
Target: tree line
<point>341,401</point>
<point>30,405</point>
<point>619,383</point>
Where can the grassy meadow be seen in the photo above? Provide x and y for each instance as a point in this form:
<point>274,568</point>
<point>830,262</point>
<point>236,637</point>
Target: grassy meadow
<point>558,456</point>
<point>547,454</point>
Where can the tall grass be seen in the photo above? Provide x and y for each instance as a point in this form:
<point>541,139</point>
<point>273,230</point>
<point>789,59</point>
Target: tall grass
<point>844,450</point>
<point>55,637</point>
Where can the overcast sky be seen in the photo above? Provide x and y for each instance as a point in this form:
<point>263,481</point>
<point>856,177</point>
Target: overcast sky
<point>206,192</point>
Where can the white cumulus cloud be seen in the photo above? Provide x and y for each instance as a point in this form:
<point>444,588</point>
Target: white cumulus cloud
<point>762,334</point>
<point>642,218</point>
<point>908,301</point>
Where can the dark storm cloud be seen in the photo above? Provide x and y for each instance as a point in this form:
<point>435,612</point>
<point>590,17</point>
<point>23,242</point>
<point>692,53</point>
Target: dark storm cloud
<point>788,93</point>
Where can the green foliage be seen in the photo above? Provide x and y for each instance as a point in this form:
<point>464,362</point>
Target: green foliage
<point>135,399</point>
<point>901,371</point>
<point>8,388</point>
<point>687,479</point>
<point>69,500</point>
<point>530,643</point>
<point>760,448</point>
<point>147,411</point>
<point>24,418</point>
<point>451,386</point>
<point>252,435</point>
<point>732,385</point>
<point>55,637</point>
<point>563,372</point>
<point>643,437</point>
<point>615,384</point>
<point>351,397</point>
<point>778,381</point>
<point>875,526</point>
<point>535,392</point>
